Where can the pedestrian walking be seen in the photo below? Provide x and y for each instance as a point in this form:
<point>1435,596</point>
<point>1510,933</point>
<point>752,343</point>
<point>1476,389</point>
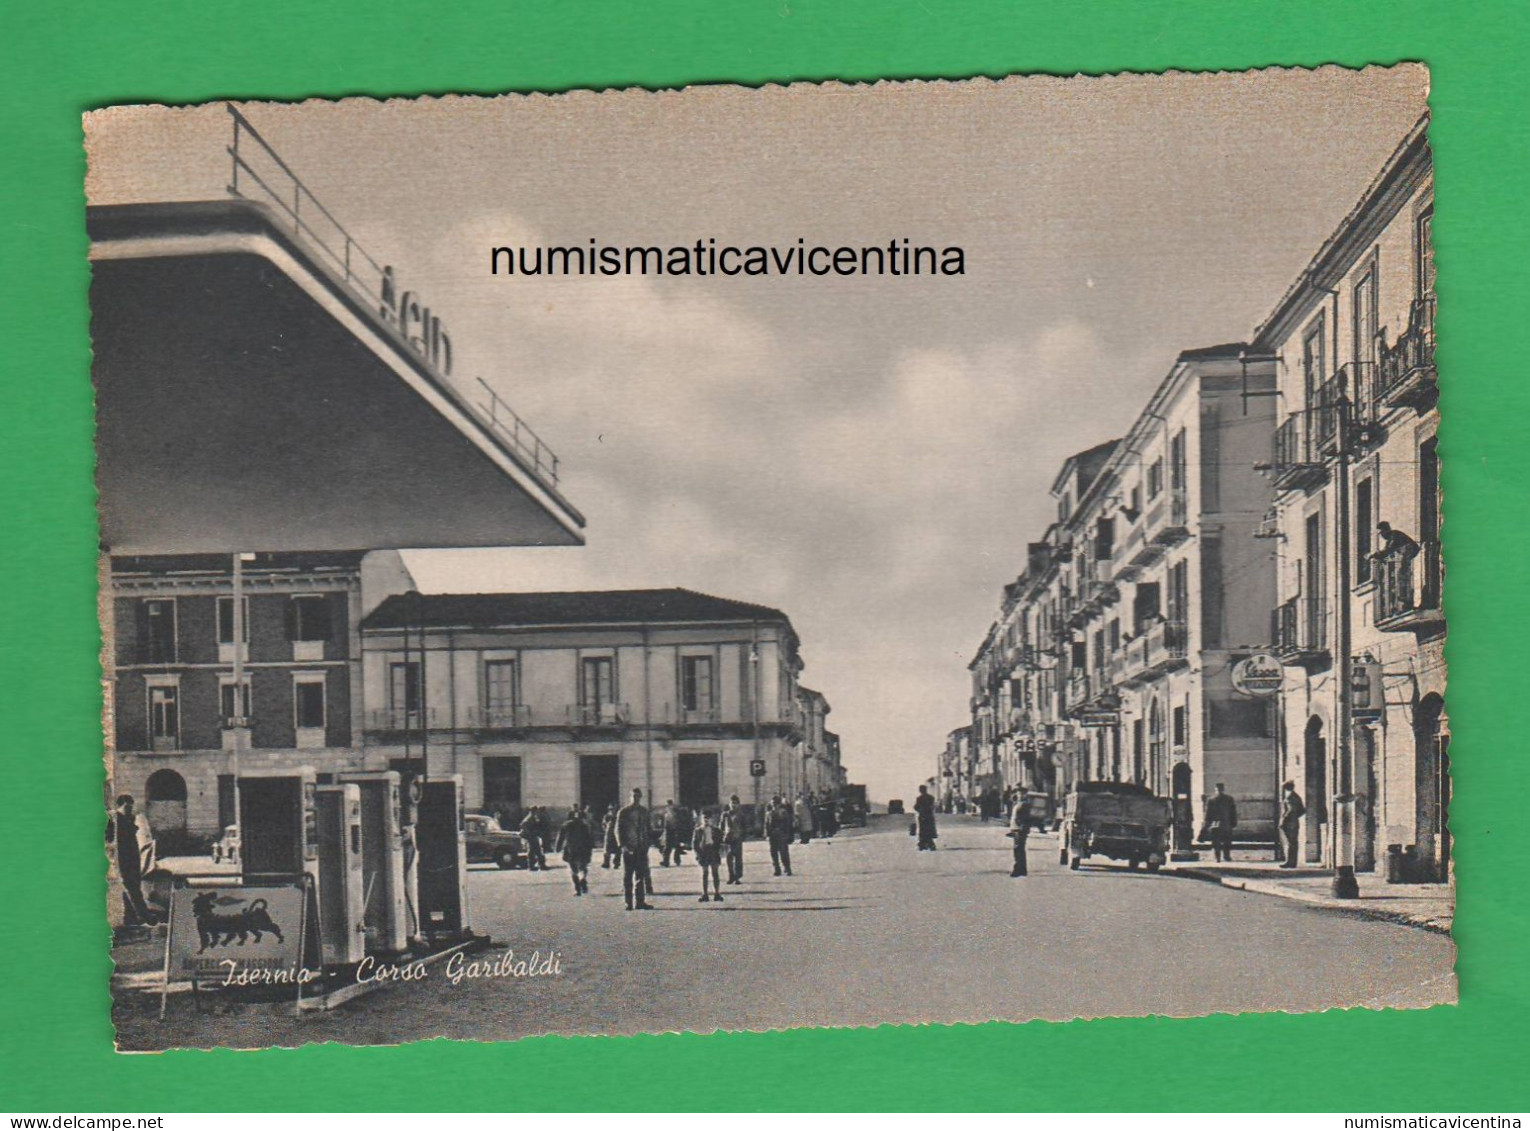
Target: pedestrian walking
<point>577,843</point>
<point>613,852</point>
<point>129,834</point>
<point>804,814</point>
<point>733,839</point>
<point>1019,830</point>
<point>708,846</point>
<point>632,839</point>
<point>1221,820</point>
<point>531,833</point>
<point>778,831</point>
<point>1291,812</point>
<point>924,819</point>
<point>673,845</point>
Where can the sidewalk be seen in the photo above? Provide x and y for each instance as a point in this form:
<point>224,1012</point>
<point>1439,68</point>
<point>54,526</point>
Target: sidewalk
<point>1430,906</point>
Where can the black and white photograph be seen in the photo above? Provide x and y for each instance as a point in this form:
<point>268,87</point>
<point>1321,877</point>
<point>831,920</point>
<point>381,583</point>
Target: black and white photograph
<point>738,558</point>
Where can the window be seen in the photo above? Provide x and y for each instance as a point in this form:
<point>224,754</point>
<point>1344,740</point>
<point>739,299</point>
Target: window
<point>696,683</point>
<point>499,692</point>
<point>1179,726</point>
<point>158,631</point>
<point>1154,479</point>
<point>1314,360</point>
<point>404,693</point>
<point>164,716</point>
<point>1424,248</point>
<point>1104,539</point>
<point>308,704</point>
<point>1363,320</point>
<point>226,621</point>
<point>1134,503</point>
<point>598,690</point>
<point>1115,635</point>
<point>1145,606</point>
<point>1179,592</point>
<point>1177,461</point>
<point>1364,521</point>
<point>1237,717</point>
<point>309,618</point>
<point>230,707</point>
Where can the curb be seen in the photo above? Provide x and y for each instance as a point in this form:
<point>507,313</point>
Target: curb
<point>1264,887</point>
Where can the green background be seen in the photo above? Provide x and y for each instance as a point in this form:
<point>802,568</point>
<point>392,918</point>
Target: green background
<point>55,1038</point>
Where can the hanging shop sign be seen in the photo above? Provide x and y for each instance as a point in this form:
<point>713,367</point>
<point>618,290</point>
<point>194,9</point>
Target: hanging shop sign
<point>1098,718</point>
<point>1260,675</point>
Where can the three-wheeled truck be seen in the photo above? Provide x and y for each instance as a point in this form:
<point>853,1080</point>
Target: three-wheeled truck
<point>1115,819</point>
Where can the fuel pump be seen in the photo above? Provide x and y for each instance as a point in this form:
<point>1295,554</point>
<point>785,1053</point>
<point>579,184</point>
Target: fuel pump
<point>279,835</point>
<point>278,830</point>
<point>386,862</point>
<point>342,914</point>
<point>440,837</point>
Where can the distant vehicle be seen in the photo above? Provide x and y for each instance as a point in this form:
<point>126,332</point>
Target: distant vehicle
<point>852,812</point>
<point>1118,820</point>
<point>487,843</point>
<point>225,849</point>
<point>1038,811</point>
<point>895,807</point>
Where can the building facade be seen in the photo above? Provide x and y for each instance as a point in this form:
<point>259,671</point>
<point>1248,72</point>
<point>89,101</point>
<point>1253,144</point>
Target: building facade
<point>561,698</point>
<point>1354,462</point>
<point>179,729</point>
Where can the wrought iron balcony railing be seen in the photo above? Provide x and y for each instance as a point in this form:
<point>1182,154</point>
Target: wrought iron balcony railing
<point>1407,591</point>
<point>1406,368</point>
<point>1299,629</point>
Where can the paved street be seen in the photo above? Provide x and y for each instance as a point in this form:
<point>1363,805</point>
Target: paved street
<point>869,931</point>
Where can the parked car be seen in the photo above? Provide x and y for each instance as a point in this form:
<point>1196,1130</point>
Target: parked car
<point>1115,819</point>
<point>487,843</point>
<point>225,849</point>
<point>895,807</point>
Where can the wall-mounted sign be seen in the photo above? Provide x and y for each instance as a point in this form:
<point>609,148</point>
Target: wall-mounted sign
<point>757,768</point>
<point>1259,675</point>
<point>1097,718</point>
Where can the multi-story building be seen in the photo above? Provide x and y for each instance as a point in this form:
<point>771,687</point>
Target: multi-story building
<point>1169,586</point>
<point>184,723</point>
<point>557,698</point>
<point>1358,622</point>
<point>819,747</point>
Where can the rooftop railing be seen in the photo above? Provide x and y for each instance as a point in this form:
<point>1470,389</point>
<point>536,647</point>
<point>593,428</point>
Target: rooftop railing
<point>258,173</point>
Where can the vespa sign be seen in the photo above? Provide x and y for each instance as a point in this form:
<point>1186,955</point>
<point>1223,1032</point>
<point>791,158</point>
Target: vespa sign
<point>1259,675</point>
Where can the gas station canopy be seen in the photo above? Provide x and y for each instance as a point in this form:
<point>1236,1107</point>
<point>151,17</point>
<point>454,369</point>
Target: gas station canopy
<point>248,398</point>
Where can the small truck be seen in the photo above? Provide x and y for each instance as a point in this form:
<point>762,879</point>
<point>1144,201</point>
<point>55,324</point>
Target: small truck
<point>1118,820</point>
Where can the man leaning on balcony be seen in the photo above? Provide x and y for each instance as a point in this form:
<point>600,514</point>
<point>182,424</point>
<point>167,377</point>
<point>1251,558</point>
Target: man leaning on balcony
<point>1397,547</point>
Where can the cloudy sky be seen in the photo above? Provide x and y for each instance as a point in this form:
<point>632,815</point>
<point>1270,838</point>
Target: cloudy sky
<point>868,454</point>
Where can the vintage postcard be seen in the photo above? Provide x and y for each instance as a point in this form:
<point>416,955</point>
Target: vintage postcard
<point>742,558</point>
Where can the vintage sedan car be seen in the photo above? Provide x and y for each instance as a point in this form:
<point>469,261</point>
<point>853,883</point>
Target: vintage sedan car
<point>487,843</point>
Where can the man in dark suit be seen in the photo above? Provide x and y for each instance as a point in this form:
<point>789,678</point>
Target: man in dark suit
<point>778,831</point>
<point>633,835</point>
<point>1221,819</point>
<point>733,839</point>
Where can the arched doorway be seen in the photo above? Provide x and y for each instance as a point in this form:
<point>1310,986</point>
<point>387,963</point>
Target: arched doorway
<point>165,802</point>
<point>1431,746</point>
<point>1315,760</point>
<point>1184,807</point>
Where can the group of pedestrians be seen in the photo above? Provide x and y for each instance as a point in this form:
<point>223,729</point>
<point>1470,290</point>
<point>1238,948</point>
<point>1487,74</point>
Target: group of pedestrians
<point>627,837</point>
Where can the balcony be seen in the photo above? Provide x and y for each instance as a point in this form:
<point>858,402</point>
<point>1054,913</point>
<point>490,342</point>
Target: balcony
<point>1300,631</point>
<point>1160,647</point>
<point>1168,521</point>
<point>1358,380</point>
<point>1406,374</point>
<point>1296,463</point>
<point>1328,415</point>
<point>702,714</point>
<point>400,719</point>
<point>599,716</point>
<point>501,717</point>
<point>1408,591</point>
<point>1140,550</point>
<point>1079,691</point>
